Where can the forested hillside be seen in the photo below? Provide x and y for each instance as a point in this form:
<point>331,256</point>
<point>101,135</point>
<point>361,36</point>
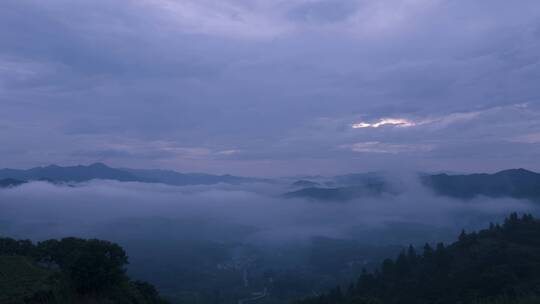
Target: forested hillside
<point>500,264</point>
<point>70,270</point>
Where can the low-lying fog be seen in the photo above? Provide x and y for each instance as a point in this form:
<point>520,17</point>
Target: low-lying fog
<point>254,213</point>
<point>191,239</point>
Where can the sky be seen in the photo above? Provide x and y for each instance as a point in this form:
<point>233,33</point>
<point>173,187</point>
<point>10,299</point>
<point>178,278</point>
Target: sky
<point>271,87</point>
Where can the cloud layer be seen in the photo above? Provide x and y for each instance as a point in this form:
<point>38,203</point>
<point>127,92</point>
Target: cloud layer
<point>253,213</point>
<point>270,87</point>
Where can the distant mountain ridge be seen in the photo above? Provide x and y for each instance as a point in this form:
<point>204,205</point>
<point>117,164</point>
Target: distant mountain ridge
<point>10,182</point>
<point>343,187</point>
<point>81,173</point>
<point>78,173</point>
<point>514,183</point>
<point>184,179</point>
<point>305,184</point>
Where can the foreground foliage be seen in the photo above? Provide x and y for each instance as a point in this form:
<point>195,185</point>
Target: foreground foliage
<point>497,265</point>
<point>70,270</point>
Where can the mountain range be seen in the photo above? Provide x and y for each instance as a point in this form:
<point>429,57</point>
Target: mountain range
<point>512,183</point>
<point>515,183</point>
<point>80,173</point>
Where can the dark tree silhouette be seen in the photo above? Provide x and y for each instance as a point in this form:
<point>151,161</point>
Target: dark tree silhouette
<point>499,262</point>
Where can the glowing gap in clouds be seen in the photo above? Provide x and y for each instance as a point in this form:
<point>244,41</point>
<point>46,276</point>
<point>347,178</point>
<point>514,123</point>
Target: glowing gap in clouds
<point>398,122</point>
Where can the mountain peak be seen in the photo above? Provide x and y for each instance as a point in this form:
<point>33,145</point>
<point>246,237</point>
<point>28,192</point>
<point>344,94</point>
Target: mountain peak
<point>99,165</point>
<point>515,171</point>
<point>53,166</point>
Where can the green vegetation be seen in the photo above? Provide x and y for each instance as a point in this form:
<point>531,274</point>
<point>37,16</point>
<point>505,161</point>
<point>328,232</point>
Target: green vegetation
<point>70,270</point>
<point>497,265</point>
<point>21,278</point>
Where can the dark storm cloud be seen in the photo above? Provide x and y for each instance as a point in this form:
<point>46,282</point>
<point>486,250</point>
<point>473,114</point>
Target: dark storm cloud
<point>270,87</point>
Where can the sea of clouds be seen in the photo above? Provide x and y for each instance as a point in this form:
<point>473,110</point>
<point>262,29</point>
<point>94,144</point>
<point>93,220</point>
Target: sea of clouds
<point>255,213</point>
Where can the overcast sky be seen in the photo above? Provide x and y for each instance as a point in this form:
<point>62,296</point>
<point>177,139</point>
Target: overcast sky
<point>271,87</point>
